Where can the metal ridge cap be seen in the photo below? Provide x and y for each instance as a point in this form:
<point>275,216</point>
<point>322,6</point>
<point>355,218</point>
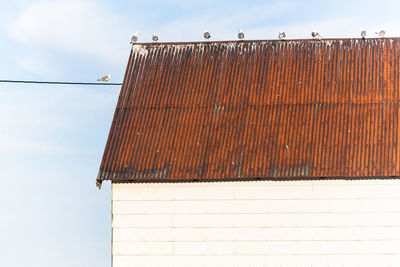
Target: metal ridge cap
<point>265,40</point>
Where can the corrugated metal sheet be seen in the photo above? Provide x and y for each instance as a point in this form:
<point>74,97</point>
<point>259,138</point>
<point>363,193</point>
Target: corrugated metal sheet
<point>297,109</point>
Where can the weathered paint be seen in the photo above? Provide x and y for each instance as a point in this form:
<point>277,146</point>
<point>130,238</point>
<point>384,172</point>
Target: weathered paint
<point>243,110</point>
<point>256,224</point>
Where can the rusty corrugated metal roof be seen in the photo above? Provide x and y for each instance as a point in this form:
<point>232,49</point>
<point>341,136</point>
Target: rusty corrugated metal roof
<point>299,109</point>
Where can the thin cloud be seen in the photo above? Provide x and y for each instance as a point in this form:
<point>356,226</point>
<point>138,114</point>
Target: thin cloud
<point>226,26</point>
<point>83,27</point>
<point>10,143</point>
<point>38,65</point>
<point>48,120</point>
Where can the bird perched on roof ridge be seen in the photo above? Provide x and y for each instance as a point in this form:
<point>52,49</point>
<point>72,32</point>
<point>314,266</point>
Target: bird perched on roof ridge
<point>316,35</point>
<point>282,35</point>
<point>135,37</point>
<point>363,34</point>
<point>381,33</point>
<point>105,78</point>
<point>207,35</point>
<point>154,37</point>
<point>240,35</point>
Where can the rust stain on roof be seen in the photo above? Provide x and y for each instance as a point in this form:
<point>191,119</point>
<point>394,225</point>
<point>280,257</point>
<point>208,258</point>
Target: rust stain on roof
<point>235,110</point>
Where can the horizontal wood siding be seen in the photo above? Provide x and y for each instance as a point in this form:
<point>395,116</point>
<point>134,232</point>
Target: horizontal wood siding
<point>264,223</point>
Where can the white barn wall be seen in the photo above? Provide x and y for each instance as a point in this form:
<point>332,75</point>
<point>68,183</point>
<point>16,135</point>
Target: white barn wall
<point>262,223</point>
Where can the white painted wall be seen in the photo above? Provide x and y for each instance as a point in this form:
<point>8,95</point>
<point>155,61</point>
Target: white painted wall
<point>263,223</point>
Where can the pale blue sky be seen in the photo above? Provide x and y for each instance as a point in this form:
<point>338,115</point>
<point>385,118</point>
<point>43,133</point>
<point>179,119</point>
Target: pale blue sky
<point>52,137</point>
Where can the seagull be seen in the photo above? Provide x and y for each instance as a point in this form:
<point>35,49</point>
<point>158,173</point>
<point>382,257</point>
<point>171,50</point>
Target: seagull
<point>154,37</point>
<point>240,34</point>
<point>363,33</point>
<point>282,35</point>
<point>105,78</point>
<point>316,35</point>
<point>206,35</point>
<point>135,37</point>
<point>381,33</point>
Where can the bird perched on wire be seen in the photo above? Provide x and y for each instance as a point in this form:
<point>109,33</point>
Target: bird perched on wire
<point>363,34</point>
<point>105,78</point>
<point>282,35</point>
<point>207,35</point>
<point>240,35</point>
<point>316,35</point>
<point>154,37</point>
<point>381,33</point>
<point>135,37</point>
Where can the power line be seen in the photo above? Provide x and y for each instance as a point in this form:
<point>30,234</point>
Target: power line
<point>52,82</point>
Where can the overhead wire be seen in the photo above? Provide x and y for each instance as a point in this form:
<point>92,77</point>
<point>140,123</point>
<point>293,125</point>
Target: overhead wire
<point>57,82</point>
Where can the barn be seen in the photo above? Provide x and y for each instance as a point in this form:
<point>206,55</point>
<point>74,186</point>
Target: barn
<point>257,153</point>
